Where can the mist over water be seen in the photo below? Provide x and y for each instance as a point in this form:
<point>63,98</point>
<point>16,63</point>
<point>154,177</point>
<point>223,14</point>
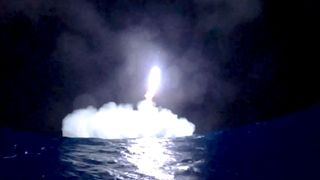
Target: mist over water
<point>113,121</point>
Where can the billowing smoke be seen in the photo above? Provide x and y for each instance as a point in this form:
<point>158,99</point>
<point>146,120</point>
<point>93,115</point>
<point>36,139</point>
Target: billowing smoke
<point>114,121</point>
<point>97,50</point>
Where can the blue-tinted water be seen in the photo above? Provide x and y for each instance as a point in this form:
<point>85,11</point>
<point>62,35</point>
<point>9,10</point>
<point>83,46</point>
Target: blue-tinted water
<point>134,159</point>
<point>284,148</point>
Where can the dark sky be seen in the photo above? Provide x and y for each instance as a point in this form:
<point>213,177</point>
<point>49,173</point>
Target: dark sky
<point>225,62</point>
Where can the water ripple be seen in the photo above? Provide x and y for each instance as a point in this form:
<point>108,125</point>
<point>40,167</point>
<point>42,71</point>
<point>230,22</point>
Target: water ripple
<point>145,158</point>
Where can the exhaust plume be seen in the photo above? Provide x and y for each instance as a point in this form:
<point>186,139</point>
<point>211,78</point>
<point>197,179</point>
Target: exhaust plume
<point>114,121</point>
<point>154,81</point>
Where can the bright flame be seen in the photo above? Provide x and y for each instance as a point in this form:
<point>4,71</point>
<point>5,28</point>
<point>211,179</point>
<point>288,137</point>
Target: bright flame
<point>116,121</point>
<point>154,80</point>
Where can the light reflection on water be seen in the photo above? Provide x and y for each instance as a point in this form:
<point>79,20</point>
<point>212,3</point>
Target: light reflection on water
<point>145,158</point>
<point>151,157</point>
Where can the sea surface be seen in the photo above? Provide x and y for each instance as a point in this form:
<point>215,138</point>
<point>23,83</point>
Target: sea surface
<point>283,148</point>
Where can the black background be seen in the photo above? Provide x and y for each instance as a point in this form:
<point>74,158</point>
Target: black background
<point>266,64</point>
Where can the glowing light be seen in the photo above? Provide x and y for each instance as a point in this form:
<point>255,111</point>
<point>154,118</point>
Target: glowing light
<point>154,81</point>
<point>113,121</point>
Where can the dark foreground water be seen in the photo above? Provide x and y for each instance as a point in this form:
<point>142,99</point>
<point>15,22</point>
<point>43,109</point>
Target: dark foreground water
<point>134,159</point>
<point>285,148</point>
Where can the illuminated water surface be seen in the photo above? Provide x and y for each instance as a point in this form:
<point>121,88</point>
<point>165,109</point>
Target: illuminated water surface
<point>144,158</point>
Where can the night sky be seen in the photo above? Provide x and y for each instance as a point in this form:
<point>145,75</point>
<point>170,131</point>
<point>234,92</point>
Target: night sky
<point>226,63</point>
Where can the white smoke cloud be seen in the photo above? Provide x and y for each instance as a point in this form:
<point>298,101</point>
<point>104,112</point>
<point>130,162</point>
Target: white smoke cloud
<point>101,45</point>
<point>114,121</point>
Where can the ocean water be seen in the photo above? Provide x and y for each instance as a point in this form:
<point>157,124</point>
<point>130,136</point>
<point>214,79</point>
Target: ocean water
<point>32,156</point>
<point>284,148</point>
<point>146,158</point>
